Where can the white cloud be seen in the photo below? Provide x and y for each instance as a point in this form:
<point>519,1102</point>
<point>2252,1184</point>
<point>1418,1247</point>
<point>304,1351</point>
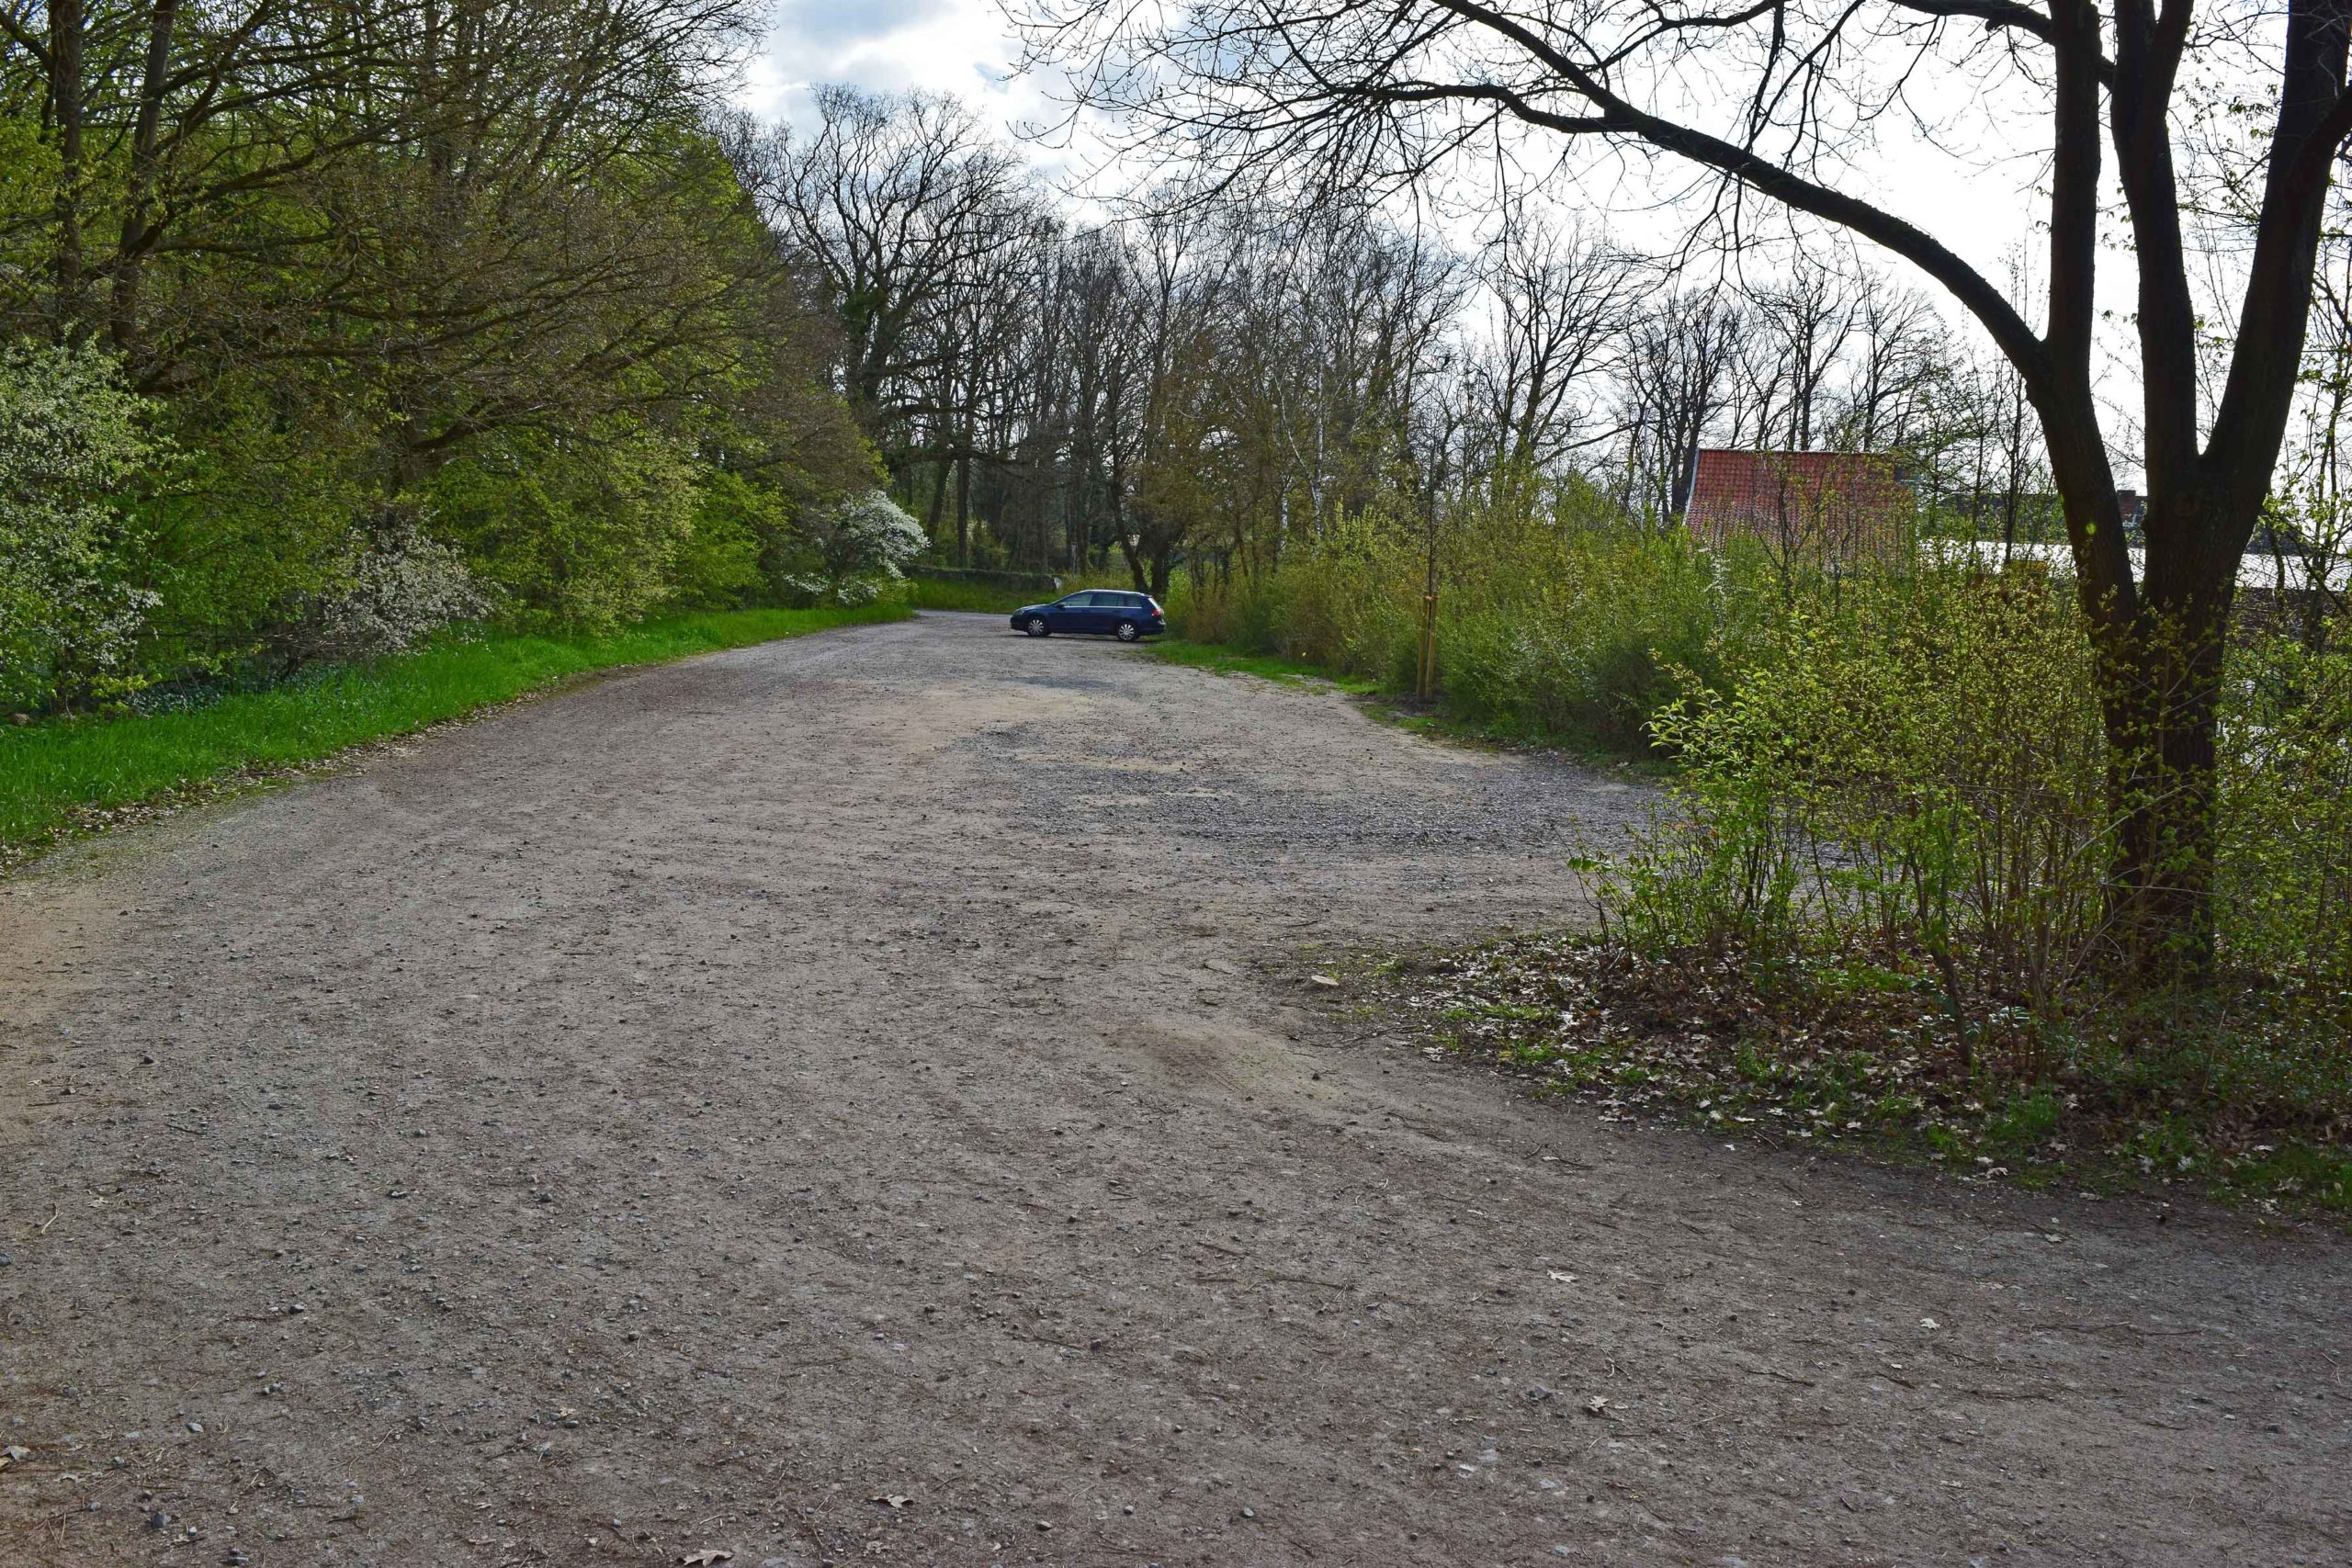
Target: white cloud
<point>958,47</point>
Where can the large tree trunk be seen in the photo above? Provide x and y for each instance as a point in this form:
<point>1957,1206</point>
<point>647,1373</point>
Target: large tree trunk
<point>1134,564</point>
<point>2161,700</point>
<point>938,501</point>
<point>67,35</point>
<point>138,230</point>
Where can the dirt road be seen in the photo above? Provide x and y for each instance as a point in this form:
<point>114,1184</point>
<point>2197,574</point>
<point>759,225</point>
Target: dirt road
<point>864,1098</point>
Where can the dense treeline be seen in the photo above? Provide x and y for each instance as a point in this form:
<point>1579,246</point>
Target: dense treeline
<point>334,322</point>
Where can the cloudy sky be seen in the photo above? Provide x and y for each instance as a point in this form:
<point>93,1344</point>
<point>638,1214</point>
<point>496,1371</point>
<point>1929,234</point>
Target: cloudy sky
<point>951,46</point>
<point>963,46</point>
<point>1983,202</point>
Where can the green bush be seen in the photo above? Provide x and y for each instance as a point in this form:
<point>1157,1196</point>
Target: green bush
<point>72,438</point>
<point>1552,627</point>
<point>737,526</point>
<point>1585,633</point>
<point>581,537</point>
<point>263,516</point>
<point>2284,872</point>
<point>1917,770</point>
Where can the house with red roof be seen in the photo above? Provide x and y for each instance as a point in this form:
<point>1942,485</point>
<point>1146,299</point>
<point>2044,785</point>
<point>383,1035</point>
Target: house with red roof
<point>1827,507</point>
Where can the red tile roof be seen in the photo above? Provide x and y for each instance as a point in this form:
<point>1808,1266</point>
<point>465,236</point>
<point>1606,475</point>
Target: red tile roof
<point>1831,505</point>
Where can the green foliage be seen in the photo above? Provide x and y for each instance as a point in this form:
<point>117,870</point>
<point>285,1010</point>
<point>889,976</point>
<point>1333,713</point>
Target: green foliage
<point>72,439</point>
<point>437,328</point>
<point>948,593</point>
<point>2285,864</point>
<point>737,524</point>
<point>49,772</point>
<point>1584,633</point>
<point>261,518</point>
<point>1919,769</point>
<point>1558,627</point>
<point>583,536</point>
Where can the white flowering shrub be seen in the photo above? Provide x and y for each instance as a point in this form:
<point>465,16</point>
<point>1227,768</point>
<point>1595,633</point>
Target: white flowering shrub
<point>801,589</point>
<point>398,587</point>
<point>72,439</point>
<point>867,537</point>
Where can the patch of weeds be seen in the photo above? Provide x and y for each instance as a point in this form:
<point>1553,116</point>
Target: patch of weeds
<point>2245,1096</point>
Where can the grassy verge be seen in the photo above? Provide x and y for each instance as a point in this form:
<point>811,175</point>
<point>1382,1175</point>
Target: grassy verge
<point>2221,1094</point>
<point>933,593</point>
<point>69,776</point>
<point>1397,708</point>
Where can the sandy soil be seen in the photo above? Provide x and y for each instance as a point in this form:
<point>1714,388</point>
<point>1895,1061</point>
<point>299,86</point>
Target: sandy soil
<point>866,1097</point>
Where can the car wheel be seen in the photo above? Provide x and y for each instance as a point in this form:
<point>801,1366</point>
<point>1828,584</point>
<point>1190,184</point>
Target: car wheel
<point>1130,631</point>
<point>1036,627</point>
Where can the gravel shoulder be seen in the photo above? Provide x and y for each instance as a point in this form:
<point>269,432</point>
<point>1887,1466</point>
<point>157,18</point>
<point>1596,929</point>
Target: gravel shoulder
<point>866,1096</point>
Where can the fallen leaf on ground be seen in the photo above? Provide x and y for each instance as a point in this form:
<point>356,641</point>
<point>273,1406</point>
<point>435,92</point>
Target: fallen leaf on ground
<point>705,1557</point>
<point>1562,1277</point>
<point>1597,1404</point>
<point>891,1500</point>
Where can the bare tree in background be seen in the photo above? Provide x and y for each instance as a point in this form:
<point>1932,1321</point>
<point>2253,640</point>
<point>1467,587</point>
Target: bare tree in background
<point>900,201</point>
<point>1805,317</point>
<point>1563,303</point>
<point>1900,357</point>
<point>1679,359</point>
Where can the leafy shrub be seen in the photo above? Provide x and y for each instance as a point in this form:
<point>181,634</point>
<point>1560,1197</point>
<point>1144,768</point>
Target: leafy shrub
<point>1547,626</point>
<point>1585,633</point>
<point>72,438</point>
<point>2285,862</point>
<point>1917,772</point>
<point>264,514</point>
<point>720,564</point>
<point>584,536</point>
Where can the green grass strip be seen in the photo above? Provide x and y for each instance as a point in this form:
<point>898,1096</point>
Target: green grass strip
<point>49,772</point>
<point>931,594</point>
<point>1441,722</point>
<point>1223,661</point>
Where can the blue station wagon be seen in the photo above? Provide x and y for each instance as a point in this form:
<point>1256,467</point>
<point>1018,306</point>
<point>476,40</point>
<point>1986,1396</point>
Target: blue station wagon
<point>1104,611</point>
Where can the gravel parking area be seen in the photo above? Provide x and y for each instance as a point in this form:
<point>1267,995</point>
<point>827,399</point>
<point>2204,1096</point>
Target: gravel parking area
<point>869,1097</point>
